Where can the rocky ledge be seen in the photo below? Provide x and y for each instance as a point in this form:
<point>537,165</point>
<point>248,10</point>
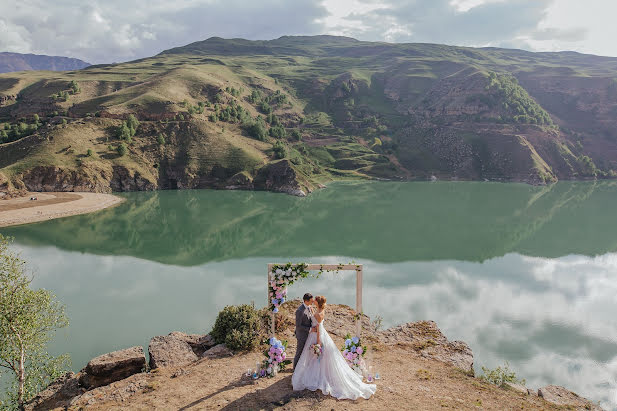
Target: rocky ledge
<point>122,376</point>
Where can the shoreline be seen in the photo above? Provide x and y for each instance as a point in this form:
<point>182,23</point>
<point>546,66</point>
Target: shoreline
<point>52,205</point>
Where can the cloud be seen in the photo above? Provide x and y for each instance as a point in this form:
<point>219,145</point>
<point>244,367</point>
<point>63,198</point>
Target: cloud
<point>570,34</point>
<point>472,23</point>
<point>113,30</point>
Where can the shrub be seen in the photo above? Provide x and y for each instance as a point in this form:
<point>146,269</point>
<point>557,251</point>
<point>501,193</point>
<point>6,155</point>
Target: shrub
<point>265,108</point>
<point>122,149</point>
<point>89,153</point>
<point>237,326</point>
<point>277,132</point>
<point>279,149</point>
<point>132,124</point>
<point>257,129</point>
<point>160,139</point>
<point>296,134</point>
<point>500,376</point>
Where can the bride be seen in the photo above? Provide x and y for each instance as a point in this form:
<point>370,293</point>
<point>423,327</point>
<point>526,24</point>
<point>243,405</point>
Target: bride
<point>329,372</point>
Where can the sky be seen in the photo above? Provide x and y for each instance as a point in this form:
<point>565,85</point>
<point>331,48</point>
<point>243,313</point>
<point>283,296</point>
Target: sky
<point>106,31</point>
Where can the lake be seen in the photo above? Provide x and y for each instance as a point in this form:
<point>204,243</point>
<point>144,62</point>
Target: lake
<point>523,274</point>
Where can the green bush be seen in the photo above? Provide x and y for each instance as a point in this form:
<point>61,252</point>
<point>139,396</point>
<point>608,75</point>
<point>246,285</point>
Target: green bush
<point>89,153</point>
<point>296,134</point>
<point>257,129</point>
<point>277,132</point>
<point>160,139</point>
<point>237,326</point>
<point>122,149</point>
<point>279,149</point>
<point>500,376</point>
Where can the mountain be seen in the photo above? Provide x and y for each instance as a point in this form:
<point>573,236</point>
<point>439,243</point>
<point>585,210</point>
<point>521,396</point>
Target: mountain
<point>291,113</point>
<point>21,62</point>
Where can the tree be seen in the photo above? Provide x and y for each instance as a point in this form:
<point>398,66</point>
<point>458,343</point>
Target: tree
<point>295,133</point>
<point>160,139</point>
<point>277,132</point>
<point>36,118</point>
<point>28,319</point>
<point>4,137</point>
<point>132,124</point>
<point>279,149</point>
<point>89,153</point>
<point>74,87</point>
<point>124,132</point>
<point>257,129</point>
<point>122,149</point>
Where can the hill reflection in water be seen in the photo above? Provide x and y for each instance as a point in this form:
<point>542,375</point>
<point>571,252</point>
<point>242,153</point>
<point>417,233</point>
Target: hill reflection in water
<point>386,222</point>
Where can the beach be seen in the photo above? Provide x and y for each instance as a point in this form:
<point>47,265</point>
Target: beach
<point>51,205</point>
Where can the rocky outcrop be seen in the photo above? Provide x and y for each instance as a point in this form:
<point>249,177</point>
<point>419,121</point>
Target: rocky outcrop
<point>52,178</point>
<point>58,394</point>
<point>563,397</point>
<point>218,351</point>
<point>124,180</point>
<point>426,338</point>
<point>113,366</point>
<point>281,177</point>
<point>198,343</point>
<point>119,391</point>
<point>169,351</point>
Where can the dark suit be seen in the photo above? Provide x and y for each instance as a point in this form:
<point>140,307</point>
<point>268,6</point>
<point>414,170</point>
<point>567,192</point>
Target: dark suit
<point>303,328</point>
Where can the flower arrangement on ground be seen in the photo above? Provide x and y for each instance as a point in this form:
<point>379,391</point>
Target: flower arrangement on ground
<point>353,352</point>
<point>276,358</point>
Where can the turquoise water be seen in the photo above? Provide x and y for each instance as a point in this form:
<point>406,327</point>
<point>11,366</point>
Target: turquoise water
<point>523,274</point>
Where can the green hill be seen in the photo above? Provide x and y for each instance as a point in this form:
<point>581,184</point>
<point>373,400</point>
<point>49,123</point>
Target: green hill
<point>291,113</point>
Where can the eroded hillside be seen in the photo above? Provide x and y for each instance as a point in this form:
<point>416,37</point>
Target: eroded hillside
<point>289,114</point>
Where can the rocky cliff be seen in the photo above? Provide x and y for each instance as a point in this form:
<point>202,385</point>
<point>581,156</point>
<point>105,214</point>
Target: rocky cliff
<point>419,368</point>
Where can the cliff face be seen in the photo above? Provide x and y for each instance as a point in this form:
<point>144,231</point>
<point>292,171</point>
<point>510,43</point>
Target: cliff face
<point>216,114</point>
<point>21,62</point>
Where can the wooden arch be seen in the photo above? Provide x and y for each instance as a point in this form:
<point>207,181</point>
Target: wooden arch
<point>328,267</point>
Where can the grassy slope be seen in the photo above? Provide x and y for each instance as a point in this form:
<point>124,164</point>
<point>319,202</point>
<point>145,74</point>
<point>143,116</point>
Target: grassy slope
<point>363,109</point>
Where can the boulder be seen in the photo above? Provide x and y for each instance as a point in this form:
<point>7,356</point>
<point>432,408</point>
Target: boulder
<point>218,351</point>
<point>113,366</point>
<point>199,343</point>
<point>563,397</point>
<point>57,395</point>
<point>170,351</point>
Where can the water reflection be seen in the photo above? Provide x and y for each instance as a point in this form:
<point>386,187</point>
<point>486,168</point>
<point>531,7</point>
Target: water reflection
<point>552,319</point>
<point>388,222</point>
<point>524,274</point>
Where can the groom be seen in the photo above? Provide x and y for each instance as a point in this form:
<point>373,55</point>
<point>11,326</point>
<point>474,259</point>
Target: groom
<point>303,325</point>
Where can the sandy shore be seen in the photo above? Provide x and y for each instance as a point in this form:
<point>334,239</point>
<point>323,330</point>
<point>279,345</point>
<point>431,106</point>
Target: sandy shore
<point>22,210</point>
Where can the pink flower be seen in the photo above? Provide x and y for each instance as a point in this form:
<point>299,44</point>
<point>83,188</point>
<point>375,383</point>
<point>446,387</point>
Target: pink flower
<point>359,350</point>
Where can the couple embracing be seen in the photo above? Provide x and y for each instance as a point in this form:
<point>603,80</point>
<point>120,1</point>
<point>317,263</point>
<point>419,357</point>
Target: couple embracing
<point>328,372</point>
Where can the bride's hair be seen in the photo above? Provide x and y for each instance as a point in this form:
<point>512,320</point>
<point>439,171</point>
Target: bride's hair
<point>321,301</point>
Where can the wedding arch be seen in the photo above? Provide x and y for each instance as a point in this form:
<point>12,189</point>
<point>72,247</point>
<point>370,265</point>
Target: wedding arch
<point>280,276</point>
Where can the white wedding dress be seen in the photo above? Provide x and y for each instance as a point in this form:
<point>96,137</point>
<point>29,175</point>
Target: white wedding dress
<point>329,372</point>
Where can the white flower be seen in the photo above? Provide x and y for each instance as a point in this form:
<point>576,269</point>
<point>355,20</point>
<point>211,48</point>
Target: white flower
<point>270,360</point>
<point>279,271</point>
<point>269,370</point>
<point>289,272</point>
